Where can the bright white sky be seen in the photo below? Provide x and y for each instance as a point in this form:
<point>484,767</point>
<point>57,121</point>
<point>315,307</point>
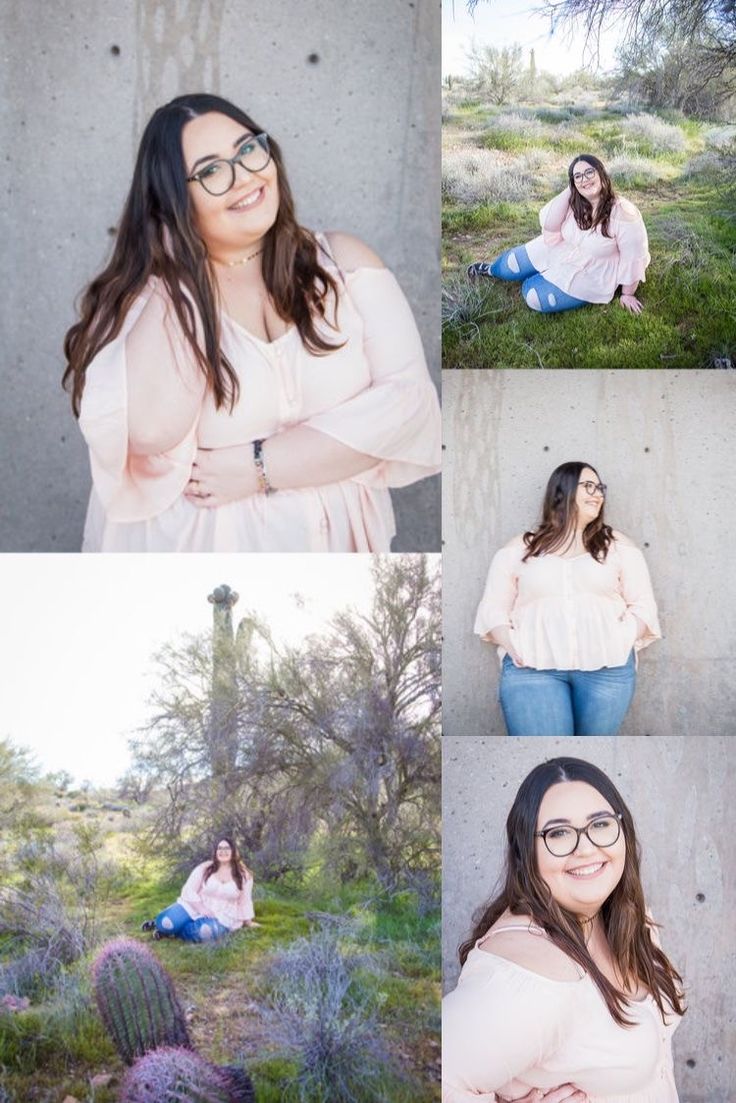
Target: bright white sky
<point>79,632</point>
<point>502,23</point>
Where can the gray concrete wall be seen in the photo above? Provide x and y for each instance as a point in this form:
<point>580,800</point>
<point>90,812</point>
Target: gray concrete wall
<point>663,442</point>
<point>680,792</point>
<point>350,89</point>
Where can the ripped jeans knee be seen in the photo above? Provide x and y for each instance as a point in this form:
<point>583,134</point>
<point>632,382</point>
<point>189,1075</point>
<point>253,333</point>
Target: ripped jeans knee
<point>545,298</point>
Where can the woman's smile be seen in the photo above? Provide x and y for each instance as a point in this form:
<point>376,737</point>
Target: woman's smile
<point>588,872</point>
<point>252,199</point>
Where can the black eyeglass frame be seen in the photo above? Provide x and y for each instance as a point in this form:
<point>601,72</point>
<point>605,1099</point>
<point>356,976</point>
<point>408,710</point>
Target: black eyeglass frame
<point>262,140</point>
<point>618,816</point>
<point>601,488</point>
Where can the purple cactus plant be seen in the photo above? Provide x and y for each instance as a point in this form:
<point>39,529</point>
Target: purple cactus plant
<point>171,1075</point>
<point>136,1000</point>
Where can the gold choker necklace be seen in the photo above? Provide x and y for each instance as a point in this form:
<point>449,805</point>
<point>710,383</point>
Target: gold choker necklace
<point>237,263</point>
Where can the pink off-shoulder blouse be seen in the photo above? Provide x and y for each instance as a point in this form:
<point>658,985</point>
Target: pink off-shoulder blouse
<point>373,394</point>
<point>569,614</point>
<point>584,263</point>
<point>507,1030</point>
<point>221,900</point>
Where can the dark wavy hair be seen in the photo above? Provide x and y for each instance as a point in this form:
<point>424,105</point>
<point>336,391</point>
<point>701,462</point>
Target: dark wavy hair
<point>638,958</point>
<point>238,867</point>
<point>158,237</point>
<point>582,208</point>
<point>558,517</point>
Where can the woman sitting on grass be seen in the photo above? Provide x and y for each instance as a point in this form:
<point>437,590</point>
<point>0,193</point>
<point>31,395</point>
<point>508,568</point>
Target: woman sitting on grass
<point>592,242</point>
<point>216,899</point>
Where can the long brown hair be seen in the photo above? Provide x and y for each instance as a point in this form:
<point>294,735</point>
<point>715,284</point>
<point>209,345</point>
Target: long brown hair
<point>558,517</point>
<point>158,237</point>
<point>624,916</point>
<point>582,208</point>
<point>238,867</point>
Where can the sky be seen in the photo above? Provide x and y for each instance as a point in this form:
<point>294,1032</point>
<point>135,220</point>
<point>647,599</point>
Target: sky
<point>502,23</point>
<point>79,632</point>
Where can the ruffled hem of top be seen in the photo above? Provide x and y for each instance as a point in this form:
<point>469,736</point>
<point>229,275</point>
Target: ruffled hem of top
<point>340,517</point>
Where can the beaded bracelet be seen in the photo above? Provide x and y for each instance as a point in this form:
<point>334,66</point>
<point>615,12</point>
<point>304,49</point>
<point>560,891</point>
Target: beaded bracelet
<point>263,484</point>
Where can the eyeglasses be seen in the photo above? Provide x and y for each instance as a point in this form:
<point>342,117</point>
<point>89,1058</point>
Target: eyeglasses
<point>219,176</point>
<point>563,840</point>
<point>587,175</point>
<point>594,488</point>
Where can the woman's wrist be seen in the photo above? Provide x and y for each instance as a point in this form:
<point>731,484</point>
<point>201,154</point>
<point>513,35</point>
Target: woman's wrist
<point>259,461</point>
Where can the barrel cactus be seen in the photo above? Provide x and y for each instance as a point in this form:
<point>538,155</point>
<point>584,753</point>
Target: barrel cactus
<point>171,1075</point>
<point>136,1000</point>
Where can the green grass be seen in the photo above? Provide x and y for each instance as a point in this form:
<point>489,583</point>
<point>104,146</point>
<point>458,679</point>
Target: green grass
<point>689,318</point>
<point>55,1048</point>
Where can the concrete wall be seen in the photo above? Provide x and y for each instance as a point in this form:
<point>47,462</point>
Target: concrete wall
<point>681,797</point>
<point>663,441</point>
<point>351,91</point>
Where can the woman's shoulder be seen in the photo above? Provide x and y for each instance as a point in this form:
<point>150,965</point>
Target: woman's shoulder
<point>623,541</point>
<point>625,211</point>
<point>516,544</point>
<point>517,940</point>
<point>349,252</point>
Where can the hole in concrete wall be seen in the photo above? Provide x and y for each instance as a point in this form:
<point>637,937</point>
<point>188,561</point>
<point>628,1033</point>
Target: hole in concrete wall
<point>546,448</point>
<point>700,897</point>
<point>690,1062</point>
<point>115,51</point>
<point>313,59</point>
<point>646,543</point>
<point>646,449</point>
<point>112,230</point>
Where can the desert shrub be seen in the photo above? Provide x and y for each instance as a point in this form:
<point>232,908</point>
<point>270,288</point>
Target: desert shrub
<point>321,1014</point>
<point>720,137</point>
<point>652,135</point>
<point>465,306</point>
<point>636,171</point>
<point>479,175</point>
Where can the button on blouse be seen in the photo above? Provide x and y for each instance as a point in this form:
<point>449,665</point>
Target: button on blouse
<point>569,614</point>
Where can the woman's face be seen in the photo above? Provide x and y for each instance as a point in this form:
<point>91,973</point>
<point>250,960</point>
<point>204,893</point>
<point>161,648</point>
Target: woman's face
<point>224,851</point>
<point>582,881</point>
<point>237,220</point>
<point>588,504</point>
<point>587,180</point>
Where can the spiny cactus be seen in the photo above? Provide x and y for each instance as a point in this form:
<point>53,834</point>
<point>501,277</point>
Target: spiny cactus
<point>173,1075</point>
<point>136,1000</point>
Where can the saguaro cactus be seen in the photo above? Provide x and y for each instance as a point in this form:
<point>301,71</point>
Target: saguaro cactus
<point>171,1075</point>
<point>136,1000</point>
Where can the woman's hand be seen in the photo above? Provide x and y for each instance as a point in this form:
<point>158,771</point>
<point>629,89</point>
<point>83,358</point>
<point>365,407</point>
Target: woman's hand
<point>221,475</point>
<point>502,636</point>
<point>631,303</point>
<point>566,1093</point>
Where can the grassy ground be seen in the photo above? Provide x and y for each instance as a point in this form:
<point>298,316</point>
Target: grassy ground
<point>501,165</point>
<point>57,1048</point>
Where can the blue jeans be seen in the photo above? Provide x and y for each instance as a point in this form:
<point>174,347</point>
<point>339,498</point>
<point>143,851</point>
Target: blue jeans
<point>176,922</point>
<point>566,702</point>
<point>539,293</point>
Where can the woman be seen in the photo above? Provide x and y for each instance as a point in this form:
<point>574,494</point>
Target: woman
<point>568,604</point>
<point>564,989</point>
<point>592,242</point>
<point>242,383</point>
<point>216,899</point>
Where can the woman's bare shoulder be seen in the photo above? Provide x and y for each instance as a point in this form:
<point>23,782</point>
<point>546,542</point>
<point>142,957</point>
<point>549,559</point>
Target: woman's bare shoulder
<point>349,252</point>
<point>622,540</point>
<point>625,210</point>
<point>532,951</point>
<point>516,543</point>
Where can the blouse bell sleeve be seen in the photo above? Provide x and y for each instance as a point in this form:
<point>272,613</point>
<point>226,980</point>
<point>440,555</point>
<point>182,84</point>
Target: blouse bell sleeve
<point>190,896</point>
<point>131,486</point>
<point>499,595</point>
<point>396,418</point>
<point>244,910</point>
<point>552,215</point>
<point>497,1029</point>
<point>633,246</point>
<point>636,589</point>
